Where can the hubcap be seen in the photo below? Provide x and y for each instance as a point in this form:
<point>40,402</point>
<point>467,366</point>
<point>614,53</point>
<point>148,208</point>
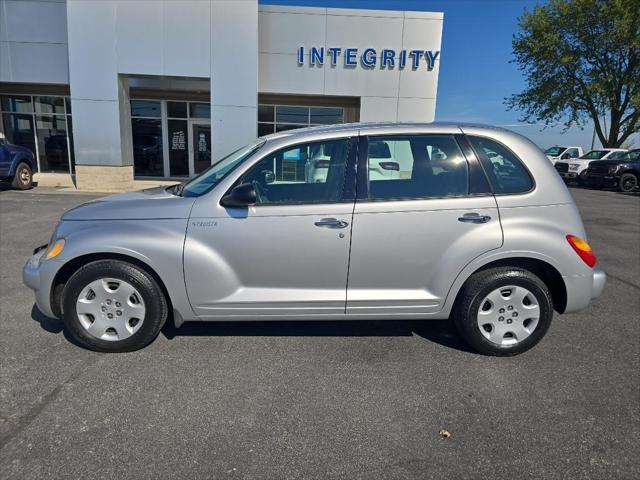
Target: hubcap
<point>508,315</point>
<point>629,183</point>
<point>110,309</point>
<point>24,175</point>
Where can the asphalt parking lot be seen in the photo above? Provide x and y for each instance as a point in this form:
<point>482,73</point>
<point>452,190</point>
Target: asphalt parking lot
<point>322,400</point>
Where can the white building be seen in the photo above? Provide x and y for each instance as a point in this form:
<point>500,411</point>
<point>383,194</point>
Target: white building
<point>112,92</point>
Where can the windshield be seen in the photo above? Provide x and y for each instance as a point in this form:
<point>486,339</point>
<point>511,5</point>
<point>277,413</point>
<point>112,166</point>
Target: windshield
<point>211,176</point>
<point>555,151</point>
<point>618,156</point>
<point>595,154</point>
<point>633,155</point>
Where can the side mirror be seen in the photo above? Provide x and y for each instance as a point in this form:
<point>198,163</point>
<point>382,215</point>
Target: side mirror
<point>240,196</point>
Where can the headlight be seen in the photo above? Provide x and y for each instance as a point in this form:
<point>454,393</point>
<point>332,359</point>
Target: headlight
<point>614,169</point>
<point>54,250</point>
<point>573,166</point>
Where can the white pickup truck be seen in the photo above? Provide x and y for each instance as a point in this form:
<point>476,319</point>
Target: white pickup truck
<point>575,169</point>
<point>562,153</point>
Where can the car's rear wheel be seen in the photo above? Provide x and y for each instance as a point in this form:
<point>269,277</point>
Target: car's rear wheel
<point>628,182</point>
<point>503,311</point>
<point>23,178</point>
<point>113,306</point>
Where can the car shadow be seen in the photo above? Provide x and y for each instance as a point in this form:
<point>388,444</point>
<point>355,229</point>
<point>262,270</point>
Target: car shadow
<point>5,186</point>
<point>635,193</point>
<point>51,325</point>
<point>441,332</point>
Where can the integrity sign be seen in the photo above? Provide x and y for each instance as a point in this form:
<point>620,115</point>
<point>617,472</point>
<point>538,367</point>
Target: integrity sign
<point>369,57</point>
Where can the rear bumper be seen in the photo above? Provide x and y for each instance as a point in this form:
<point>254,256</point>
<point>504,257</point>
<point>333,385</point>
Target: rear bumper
<point>599,280</point>
<point>581,289</point>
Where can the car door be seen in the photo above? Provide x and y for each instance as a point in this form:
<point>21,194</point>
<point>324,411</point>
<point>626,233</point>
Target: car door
<point>413,233</point>
<point>286,256</point>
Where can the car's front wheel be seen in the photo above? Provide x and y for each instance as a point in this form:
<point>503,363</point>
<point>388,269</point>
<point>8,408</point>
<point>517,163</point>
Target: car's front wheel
<point>23,178</point>
<point>113,306</point>
<point>503,311</point>
<point>628,182</point>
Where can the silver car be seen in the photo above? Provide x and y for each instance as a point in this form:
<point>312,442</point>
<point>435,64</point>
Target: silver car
<point>496,246</point>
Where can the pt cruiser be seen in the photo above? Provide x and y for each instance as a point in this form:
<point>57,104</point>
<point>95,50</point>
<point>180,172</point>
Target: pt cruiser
<point>357,221</point>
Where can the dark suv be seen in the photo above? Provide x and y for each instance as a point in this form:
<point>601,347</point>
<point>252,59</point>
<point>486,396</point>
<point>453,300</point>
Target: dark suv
<point>622,172</point>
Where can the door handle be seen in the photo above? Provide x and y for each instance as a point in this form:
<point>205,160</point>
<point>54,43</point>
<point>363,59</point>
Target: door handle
<point>474,218</point>
<point>331,223</point>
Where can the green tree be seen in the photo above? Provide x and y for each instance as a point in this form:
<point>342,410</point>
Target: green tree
<point>581,60</point>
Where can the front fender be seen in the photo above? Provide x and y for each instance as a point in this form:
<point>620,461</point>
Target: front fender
<point>19,158</point>
<point>156,243</point>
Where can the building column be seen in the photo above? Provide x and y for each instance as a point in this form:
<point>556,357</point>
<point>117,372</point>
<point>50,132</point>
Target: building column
<point>234,75</point>
<point>99,99</point>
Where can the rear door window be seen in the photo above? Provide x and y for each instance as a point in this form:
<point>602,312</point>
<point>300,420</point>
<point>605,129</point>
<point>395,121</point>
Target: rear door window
<point>416,166</point>
<point>506,172</point>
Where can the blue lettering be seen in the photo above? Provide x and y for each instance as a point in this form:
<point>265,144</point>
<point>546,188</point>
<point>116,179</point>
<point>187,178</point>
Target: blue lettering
<point>350,56</point>
<point>416,57</point>
<point>368,58</point>
<point>403,58</point>
<point>317,55</point>
<point>431,57</point>
<point>334,55</point>
<point>388,58</point>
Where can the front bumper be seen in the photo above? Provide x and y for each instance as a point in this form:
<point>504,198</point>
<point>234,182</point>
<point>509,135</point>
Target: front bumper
<point>600,180</point>
<point>569,175</point>
<point>38,276</point>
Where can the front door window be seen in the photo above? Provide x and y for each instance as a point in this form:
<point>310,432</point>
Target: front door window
<point>301,174</point>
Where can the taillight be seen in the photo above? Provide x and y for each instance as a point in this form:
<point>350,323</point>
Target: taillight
<point>583,249</point>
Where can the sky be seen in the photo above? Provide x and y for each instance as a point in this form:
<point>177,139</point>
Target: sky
<point>475,70</point>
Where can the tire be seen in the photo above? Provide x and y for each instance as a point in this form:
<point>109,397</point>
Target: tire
<point>518,331</point>
<point>23,178</point>
<point>125,292</point>
<point>628,182</point>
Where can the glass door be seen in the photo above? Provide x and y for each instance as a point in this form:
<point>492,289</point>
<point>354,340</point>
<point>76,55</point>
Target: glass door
<point>200,142</point>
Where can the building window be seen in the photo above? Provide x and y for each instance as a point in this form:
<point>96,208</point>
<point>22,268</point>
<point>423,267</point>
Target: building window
<point>146,132</point>
<point>278,118</point>
<point>41,123</point>
<point>170,138</point>
<point>147,146</point>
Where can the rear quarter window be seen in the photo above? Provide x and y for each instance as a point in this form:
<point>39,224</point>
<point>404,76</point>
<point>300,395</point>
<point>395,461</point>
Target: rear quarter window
<point>506,172</point>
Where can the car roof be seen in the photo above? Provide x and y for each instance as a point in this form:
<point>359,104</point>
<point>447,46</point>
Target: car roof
<point>379,127</point>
